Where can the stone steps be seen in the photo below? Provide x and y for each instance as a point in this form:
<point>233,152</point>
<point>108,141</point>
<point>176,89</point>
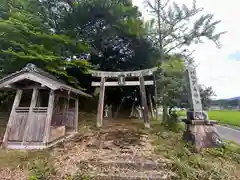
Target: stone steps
<point>130,176</point>
<point>127,164</point>
<point>129,170</point>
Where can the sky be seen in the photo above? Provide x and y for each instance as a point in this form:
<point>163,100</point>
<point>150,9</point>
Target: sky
<point>219,68</point>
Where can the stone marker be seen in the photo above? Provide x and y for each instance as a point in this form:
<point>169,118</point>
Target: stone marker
<point>106,111</point>
<point>199,129</point>
<point>139,110</point>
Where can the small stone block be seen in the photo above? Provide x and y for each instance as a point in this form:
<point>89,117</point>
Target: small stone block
<point>203,122</point>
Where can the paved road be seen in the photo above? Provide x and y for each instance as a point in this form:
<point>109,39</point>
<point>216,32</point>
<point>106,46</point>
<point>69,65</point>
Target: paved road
<point>227,133</point>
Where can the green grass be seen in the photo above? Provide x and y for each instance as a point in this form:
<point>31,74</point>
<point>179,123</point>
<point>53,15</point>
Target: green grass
<point>210,164</point>
<point>228,117</point>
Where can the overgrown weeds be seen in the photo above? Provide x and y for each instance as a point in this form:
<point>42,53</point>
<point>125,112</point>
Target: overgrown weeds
<point>40,169</point>
<point>19,158</point>
<point>219,163</point>
<point>215,164</point>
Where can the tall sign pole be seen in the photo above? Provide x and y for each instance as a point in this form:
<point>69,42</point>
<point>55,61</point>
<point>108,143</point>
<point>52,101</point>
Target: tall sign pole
<point>199,129</point>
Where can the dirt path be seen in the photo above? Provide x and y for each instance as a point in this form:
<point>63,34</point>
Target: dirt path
<point>116,151</point>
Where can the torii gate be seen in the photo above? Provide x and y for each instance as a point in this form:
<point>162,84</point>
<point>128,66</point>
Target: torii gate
<point>199,130</point>
<point>120,80</point>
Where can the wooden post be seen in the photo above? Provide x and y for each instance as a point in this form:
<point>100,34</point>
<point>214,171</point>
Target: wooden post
<point>38,103</point>
<point>156,94</point>
<point>49,116</point>
<point>151,105</point>
<point>101,103</point>
<point>16,103</point>
<point>144,102</point>
<point>30,114</point>
<point>76,114</point>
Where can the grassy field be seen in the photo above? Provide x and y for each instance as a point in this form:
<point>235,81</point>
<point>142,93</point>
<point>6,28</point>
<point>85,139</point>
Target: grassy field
<point>228,117</point>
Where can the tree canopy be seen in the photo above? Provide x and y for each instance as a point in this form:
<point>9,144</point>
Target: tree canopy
<point>68,37</point>
<point>25,38</point>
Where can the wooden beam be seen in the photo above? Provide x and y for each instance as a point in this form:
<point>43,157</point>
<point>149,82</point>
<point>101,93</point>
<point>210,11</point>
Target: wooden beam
<point>30,114</point>
<point>10,86</point>
<point>16,103</point>
<point>39,86</point>
<point>49,116</point>
<point>101,103</point>
<point>76,115</point>
<point>144,102</point>
<point>32,77</point>
<point>65,95</point>
<point>127,83</point>
<point>144,72</point>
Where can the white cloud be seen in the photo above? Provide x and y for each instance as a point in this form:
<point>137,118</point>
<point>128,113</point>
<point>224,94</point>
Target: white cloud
<point>215,68</point>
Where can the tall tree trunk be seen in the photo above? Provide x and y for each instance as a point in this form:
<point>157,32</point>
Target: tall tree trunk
<point>165,113</point>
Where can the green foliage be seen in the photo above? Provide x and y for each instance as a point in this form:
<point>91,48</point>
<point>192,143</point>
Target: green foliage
<point>172,32</point>
<point>115,32</point>
<point>40,169</point>
<point>55,34</point>
<point>26,39</point>
<point>171,82</point>
<point>206,94</point>
<point>219,163</point>
<point>171,29</point>
<point>173,85</point>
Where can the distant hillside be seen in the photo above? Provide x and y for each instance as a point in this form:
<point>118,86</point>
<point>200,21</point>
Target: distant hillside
<point>228,103</point>
<point>233,98</point>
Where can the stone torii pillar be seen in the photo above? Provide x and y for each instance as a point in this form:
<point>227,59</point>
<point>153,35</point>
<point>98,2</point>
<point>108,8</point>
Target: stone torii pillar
<point>199,129</point>
<point>101,103</point>
<point>144,102</point>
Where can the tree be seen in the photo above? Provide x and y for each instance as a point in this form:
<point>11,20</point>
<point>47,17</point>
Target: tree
<point>174,28</point>
<point>25,38</point>
<point>58,35</point>
<point>175,91</point>
<point>114,30</point>
<point>206,94</point>
<point>171,32</point>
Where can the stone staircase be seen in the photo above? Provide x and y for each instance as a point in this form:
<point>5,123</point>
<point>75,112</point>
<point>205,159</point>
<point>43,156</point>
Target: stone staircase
<point>116,152</point>
<point>126,170</point>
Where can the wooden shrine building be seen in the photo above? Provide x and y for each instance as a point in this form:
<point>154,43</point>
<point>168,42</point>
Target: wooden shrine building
<point>44,111</point>
<point>108,78</point>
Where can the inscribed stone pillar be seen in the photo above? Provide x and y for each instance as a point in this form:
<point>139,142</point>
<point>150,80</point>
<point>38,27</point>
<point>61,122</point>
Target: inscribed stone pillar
<point>200,131</point>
